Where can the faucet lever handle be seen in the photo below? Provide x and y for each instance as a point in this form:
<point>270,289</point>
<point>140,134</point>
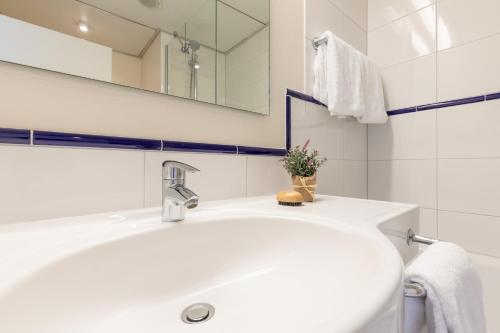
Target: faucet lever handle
<point>176,170</point>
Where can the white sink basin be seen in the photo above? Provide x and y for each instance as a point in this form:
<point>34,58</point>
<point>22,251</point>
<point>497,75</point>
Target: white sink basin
<point>262,272</point>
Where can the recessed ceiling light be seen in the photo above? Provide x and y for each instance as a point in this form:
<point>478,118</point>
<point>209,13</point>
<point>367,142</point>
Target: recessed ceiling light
<point>83,27</point>
<point>152,3</point>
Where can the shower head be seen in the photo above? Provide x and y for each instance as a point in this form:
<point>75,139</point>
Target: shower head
<point>152,3</point>
<point>195,46</point>
<point>187,44</point>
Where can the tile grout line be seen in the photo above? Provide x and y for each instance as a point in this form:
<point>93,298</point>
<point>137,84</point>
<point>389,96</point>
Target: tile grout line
<point>143,179</point>
<point>436,186</point>
<point>365,30</point>
<point>246,176</point>
<point>466,213</point>
<point>399,18</point>
<point>433,158</point>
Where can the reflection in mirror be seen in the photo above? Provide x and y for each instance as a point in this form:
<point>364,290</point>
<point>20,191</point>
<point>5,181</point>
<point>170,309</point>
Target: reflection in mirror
<point>211,51</point>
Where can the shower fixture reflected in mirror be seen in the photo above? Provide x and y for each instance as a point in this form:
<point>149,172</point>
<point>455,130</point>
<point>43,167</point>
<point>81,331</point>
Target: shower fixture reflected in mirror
<point>214,51</point>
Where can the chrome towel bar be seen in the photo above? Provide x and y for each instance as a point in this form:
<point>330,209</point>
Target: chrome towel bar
<point>318,41</point>
<point>411,238</point>
<point>414,290</point>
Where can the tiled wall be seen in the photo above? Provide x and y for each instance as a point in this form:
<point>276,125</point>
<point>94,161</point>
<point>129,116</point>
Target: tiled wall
<point>48,182</point>
<point>446,160</point>
<point>247,74</point>
<point>342,141</point>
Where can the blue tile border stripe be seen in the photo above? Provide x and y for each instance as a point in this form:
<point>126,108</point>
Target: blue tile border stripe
<point>15,136</point>
<point>46,138</point>
<point>25,136</point>
<point>418,108</point>
<point>288,120</point>
<point>454,102</point>
<point>304,97</point>
<point>492,96</point>
<point>199,147</point>
<point>261,151</point>
<point>402,111</point>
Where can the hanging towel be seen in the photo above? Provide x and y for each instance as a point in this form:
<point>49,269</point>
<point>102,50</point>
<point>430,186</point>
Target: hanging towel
<point>347,82</point>
<point>454,302</point>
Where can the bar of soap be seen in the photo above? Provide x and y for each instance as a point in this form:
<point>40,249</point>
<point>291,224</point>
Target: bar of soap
<point>290,198</point>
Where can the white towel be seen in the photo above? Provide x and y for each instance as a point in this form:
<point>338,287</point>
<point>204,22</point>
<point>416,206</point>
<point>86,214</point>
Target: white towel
<point>347,82</point>
<point>454,302</point>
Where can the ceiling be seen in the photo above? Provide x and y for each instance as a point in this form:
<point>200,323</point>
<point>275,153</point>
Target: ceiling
<point>128,26</point>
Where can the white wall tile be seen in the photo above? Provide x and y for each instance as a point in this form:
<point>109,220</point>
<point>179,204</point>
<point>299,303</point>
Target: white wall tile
<point>469,131</point>
<point>469,185</point>
<point>428,223</point>
<point>489,269</point>
<point>330,178</point>
<point>407,136</point>
<point>409,181</point>
<point>469,70</point>
<point>357,10</point>
<point>410,83</point>
<point>355,140</point>
<point>355,179</point>
<point>314,123</point>
<point>381,12</point>
<point>423,83</point>
<point>476,233</point>
<point>309,70</point>
<point>220,176</point>
<point>321,15</point>
<point>354,35</point>
<point>462,21</point>
<point>397,82</point>
<point>41,182</point>
<point>405,39</point>
<point>266,176</point>
<point>247,69</point>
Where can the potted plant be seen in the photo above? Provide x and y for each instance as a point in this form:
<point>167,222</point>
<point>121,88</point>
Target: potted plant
<point>302,165</point>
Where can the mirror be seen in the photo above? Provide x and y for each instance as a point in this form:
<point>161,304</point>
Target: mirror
<point>213,51</point>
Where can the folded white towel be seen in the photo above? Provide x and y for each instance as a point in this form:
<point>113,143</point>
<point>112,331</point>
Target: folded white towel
<point>347,82</point>
<point>374,103</point>
<point>454,302</point>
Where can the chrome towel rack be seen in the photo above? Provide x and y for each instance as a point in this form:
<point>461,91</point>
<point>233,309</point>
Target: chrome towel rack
<point>318,41</point>
<point>414,290</point>
<point>411,238</point>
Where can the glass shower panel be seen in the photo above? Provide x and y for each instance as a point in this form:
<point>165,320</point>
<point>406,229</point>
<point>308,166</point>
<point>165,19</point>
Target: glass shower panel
<point>191,56</point>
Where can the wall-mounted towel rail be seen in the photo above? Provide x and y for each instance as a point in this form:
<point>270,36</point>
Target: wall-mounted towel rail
<point>414,290</point>
<point>411,238</point>
<point>318,41</point>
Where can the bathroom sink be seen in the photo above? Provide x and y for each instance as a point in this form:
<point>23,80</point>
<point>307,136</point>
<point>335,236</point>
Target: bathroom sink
<point>260,273</point>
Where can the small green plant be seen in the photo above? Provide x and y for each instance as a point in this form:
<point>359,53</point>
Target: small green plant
<point>299,162</point>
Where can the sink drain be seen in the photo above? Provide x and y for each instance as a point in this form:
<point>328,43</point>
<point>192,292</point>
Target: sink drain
<point>197,313</point>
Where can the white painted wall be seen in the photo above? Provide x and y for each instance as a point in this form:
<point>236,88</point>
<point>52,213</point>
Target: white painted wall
<point>29,44</point>
<point>445,160</point>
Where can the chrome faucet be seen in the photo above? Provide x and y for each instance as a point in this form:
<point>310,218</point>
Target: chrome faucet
<point>175,196</point>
